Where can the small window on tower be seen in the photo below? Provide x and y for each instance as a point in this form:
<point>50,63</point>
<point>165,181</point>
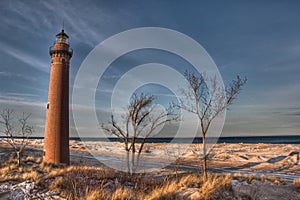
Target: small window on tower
<point>47,105</point>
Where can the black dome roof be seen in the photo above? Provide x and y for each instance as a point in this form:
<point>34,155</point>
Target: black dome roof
<point>62,33</point>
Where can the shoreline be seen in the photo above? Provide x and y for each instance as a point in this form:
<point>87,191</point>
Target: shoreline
<point>279,139</point>
<point>268,169</point>
<point>253,158</point>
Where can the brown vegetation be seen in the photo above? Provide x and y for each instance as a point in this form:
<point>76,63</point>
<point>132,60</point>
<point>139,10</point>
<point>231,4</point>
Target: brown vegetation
<point>297,182</point>
<point>82,182</point>
<point>250,177</point>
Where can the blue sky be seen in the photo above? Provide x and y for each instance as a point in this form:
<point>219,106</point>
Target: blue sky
<point>256,39</point>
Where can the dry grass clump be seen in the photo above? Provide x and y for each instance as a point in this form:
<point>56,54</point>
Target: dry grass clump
<point>8,174</point>
<point>32,176</point>
<point>12,166</point>
<point>29,159</point>
<point>8,166</point>
<point>54,172</point>
<point>193,180</point>
<point>77,182</point>
<point>244,177</point>
<point>124,194</point>
<point>12,172</point>
<point>167,191</point>
<point>250,177</point>
<point>237,176</point>
<point>207,188</point>
<point>46,168</point>
<point>83,171</point>
<point>262,178</point>
<point>57,184</point>
<point>296,182</point>
<point>95,195</point>
<point>4,171</point>
<point>39,160</point>
<point>215,183</point>
<point>82,182</point>
<point>92,183</point>
<point>275,180</point>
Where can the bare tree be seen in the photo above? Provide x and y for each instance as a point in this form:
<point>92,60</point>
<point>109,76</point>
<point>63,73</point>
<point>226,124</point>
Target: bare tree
<point>207,103</point>
<point>15,132</point>
<point>140,121</point>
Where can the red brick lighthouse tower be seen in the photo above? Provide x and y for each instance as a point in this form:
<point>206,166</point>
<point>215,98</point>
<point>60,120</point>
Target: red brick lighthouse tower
<point>56,142</point>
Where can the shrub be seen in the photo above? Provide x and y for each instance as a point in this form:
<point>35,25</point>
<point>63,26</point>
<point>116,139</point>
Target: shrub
<point>296,182</point>
<point>262,178</point>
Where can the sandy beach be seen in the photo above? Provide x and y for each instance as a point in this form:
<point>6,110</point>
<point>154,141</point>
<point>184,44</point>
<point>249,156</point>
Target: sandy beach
<point>246,164</point>
<point>256,158</point>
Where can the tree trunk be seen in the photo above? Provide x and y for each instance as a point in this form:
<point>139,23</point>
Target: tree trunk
<point>132,162</point>
<point>128,163</point>
<point>142,145</point>
<point>136,163</point>
<point>126,145</point>
<point>204,166</point>
<point>18,153</point>
<point>133,144</point>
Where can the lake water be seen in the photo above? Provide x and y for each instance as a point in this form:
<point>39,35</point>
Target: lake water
<point>234,140</point>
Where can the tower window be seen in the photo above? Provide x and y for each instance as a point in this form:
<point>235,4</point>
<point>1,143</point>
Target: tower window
<point>47,105</point>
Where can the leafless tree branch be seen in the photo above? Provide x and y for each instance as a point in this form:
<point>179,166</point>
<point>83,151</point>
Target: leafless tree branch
<point>140,122</point>
<point>207,103</point>
<point>15,136</point>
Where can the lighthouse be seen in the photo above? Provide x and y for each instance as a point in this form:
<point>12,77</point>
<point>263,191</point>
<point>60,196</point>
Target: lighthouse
<point>56,139</point>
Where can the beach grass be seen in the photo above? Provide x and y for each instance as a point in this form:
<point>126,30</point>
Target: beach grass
<point>83,182</point>
<point>86,179</point>
<point>296,182</point>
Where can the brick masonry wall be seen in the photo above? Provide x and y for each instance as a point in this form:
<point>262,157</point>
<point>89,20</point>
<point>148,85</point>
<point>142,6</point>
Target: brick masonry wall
<point>56,143</point>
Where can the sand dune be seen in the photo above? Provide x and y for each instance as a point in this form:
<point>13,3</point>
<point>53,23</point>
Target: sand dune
<point>277,158</point>
<point>270,160</point>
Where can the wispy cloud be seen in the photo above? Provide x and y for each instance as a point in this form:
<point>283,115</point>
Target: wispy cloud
<point>5,74</point>
<point>20,103</point>
<point>19,98</point>
<point>264,47</point>
<point>22,14</point>
<point>24,57</point>
<point>28,19</point>
<point>81,25</point>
